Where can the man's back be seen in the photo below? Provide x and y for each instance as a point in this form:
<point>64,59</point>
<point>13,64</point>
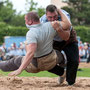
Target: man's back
<point>43,35</point>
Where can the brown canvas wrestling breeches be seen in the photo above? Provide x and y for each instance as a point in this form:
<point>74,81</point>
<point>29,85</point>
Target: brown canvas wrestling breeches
<point>43,63</point>
<point>46,62</point>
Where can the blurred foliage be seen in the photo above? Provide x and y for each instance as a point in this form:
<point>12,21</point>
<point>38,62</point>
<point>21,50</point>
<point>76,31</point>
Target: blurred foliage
<point>79,11</point>
<point>17,20</point>
<point>9,16</point>
<point>83,32</point>
<point>7,30</point>
<point>31,5</point>
<point>13,24</point>
<point>6,11</point>
<point>41,11</point>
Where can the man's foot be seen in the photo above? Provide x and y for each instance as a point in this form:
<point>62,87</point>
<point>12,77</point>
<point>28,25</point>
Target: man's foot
<point>70,84</point>
<point>62,78</point>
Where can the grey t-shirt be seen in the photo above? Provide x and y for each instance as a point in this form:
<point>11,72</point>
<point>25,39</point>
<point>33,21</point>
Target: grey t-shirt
<point>43,35</point>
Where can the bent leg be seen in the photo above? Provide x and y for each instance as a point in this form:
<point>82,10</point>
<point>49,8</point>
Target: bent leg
<point>12,64</point>
<point>59,69</point>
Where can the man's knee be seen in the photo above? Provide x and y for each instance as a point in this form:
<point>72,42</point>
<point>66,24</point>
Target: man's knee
<point>18,60</point>
<point>57,70</point>
<point>32,69</point>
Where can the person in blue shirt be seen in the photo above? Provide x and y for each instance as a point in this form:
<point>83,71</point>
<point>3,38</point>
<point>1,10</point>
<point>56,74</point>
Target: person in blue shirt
<point>70,47</point>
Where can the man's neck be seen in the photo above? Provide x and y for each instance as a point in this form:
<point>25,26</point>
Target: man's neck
<point>36,23</point>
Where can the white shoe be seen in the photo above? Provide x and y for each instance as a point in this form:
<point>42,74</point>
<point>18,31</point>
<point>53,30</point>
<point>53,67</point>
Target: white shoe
<point>62,78</point>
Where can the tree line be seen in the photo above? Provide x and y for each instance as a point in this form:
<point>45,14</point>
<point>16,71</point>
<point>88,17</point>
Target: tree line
<point>9,19</point>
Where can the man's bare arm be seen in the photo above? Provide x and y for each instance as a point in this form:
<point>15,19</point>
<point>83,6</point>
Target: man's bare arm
<point>31,48</point>
<point>65,22</point>
<point>59,26</point>
<point>62,33</point>
<point>29,55</point>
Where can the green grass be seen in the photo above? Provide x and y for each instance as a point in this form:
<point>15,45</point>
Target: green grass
<point>26,74</point>
<point>84,73</point>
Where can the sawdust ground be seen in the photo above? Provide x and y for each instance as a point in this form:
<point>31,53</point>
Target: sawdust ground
<point>43,83</point>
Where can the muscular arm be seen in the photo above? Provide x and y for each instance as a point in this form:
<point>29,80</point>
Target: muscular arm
<point>65,22</point>
<point>59,26</point>
<point>28,58</point>
<point>64,35</point>
<point>29,55</point>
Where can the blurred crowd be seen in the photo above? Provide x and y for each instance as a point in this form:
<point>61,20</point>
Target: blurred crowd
<point>14,50</point>
<point>84,51</point>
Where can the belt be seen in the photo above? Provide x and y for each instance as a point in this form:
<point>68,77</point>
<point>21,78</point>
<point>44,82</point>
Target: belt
<point>43,55</point>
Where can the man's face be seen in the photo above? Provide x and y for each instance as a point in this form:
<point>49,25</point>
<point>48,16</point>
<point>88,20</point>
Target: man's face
<point>52,16</point>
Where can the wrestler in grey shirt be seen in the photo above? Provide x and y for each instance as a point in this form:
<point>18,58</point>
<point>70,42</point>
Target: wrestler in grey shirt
<point>43,35</point>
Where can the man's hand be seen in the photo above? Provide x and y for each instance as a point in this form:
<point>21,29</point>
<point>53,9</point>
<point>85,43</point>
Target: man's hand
<point>56,25</point>
<point>15,73</point>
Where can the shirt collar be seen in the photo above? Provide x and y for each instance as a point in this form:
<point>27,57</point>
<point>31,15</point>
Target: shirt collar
<point>35,25</point>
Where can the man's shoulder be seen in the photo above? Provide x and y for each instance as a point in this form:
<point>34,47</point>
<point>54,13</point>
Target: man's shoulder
<point>43,19</point>
<point>48,27</point>
<point>46,24</point>
<point>31,32</point>
<point>64,11</point>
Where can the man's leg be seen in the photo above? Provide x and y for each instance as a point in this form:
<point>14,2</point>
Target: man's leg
<point>12,64</point>
<point>72,54</point>
<point>58,69</point>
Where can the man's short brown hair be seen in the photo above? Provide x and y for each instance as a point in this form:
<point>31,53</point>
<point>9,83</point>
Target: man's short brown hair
<point>51,8</point>
<point>33,16</point>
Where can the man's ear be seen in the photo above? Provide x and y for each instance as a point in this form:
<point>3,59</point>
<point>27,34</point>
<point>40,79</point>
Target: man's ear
<point>30,22</point>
